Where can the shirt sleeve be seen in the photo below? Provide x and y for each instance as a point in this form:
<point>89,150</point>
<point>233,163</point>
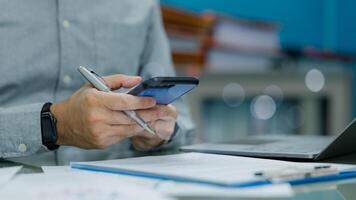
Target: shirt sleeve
<point>20,130</point>
<point>156,61</point>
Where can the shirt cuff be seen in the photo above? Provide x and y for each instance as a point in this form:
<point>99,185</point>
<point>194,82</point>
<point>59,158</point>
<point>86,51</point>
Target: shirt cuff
<point>20,130</point>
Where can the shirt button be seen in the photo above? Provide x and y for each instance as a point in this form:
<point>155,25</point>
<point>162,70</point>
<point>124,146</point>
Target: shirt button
<point>22,148</point>
<point>66,24</point>
<point>67,80</point>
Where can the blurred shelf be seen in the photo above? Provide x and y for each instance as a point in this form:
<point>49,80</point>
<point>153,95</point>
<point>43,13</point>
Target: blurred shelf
<point>337,92</point>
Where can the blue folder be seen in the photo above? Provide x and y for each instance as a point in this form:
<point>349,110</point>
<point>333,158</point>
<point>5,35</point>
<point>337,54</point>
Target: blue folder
<point>343,175</point>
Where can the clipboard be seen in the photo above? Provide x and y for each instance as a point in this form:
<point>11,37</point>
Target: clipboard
<point>342,175</point>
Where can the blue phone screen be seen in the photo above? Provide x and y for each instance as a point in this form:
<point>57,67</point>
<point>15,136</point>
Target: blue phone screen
<point>167,95</point>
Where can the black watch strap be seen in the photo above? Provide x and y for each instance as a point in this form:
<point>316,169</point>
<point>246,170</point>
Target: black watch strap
<point>176,129</point>
<point>48,128</point>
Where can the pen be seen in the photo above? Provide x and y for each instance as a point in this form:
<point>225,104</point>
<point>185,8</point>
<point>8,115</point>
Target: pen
<point>100,84</point>
<point>292,173</point>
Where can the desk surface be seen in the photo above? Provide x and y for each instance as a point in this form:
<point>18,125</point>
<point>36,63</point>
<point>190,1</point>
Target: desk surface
<point>344,190</point>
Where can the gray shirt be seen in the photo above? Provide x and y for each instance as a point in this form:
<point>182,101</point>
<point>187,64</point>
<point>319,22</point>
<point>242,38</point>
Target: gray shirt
<point>42,43</point>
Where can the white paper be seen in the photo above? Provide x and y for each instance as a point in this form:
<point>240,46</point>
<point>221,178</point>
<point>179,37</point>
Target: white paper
<point>65,170</point>
<point>7,173</point>
<point>209,167</point>
<point>194,190</point>
<point>184,189</point>
<point>75,186</point>
<point>60,169</point>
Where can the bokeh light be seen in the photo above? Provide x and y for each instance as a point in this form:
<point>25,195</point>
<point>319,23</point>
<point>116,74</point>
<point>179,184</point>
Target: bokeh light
<point>233,94</point>
<point>263,107</point>
<point>314,80</point>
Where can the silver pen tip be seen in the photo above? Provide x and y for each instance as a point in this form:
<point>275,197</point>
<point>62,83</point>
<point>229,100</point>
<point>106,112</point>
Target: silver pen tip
<point>148,129</point>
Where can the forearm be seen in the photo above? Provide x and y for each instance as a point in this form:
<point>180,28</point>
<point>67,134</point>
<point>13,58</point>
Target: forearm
<point>20,130</point>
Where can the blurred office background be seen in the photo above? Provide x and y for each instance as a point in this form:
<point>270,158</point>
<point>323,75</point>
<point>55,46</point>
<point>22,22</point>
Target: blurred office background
<point>266,67</point>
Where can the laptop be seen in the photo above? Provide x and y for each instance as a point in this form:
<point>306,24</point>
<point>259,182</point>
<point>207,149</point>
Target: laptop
<point>285,147</point>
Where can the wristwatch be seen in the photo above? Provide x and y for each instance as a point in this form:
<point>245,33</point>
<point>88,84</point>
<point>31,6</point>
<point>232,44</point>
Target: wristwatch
<point>48,128</point>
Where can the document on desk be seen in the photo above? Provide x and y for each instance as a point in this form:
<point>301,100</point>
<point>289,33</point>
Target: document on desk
<point>75,186</point>
<point>60,169</point>
<point>7,173</point>
<point>194,168</point>
<point>194,190</point>
<point>174,189</point>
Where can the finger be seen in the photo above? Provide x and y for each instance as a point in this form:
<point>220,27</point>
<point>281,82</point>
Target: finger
<point>147,135</point>
<point>139,144</point>
<point>157,112</point>
<point>120,101</point>
<point>117,118</point>
<point>165,128</point>
<point>125,131</point>
<point>168,110</point>
<point>148,115</point>
<point>114,134</point>
<point>119,80</point>
<point>144,144</point>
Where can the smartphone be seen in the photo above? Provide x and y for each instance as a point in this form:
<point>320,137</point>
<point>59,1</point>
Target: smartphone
<point>165,89</point>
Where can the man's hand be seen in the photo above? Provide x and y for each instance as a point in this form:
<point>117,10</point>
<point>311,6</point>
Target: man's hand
<point>92,119</point>
<point>162,119</point>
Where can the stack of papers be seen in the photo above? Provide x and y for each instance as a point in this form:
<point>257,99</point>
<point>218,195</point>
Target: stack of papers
<point>204,175</point>
<point>174,189</point>
<point>75,186</point>
<point>155,177</point>
<point>202,168</point>
<point>193,190</point>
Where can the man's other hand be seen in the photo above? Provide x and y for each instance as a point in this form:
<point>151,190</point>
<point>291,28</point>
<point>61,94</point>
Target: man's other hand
<point>162,119</point>
<point>93,119</point>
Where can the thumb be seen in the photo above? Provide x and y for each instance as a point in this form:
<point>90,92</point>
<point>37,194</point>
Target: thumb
<point>119,80</point>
